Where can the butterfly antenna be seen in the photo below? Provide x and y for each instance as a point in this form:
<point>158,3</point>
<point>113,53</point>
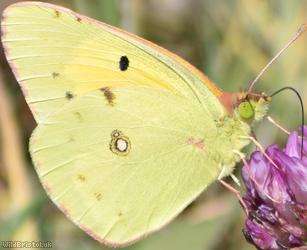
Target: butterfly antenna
<point>302,113</point>
<point>301,30</point>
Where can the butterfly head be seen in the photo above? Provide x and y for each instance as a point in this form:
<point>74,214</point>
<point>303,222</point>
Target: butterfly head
<point>247,106</point>
<point>252,106</point>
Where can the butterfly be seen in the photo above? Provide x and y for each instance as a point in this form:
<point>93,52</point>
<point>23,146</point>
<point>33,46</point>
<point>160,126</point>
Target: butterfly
<point>128,134</point>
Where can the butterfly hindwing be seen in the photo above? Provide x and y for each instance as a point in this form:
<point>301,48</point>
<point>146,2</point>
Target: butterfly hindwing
<point>123,169</point>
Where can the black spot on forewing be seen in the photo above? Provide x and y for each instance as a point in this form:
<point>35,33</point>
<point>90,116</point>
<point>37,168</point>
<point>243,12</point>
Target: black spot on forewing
<point>123,63</point>
<point>109,95</point>
<point>55,75</point>
<point>69,95</point>
<point>79,19</point>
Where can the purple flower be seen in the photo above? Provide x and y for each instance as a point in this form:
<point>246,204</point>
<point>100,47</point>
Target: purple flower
<point>276,196</point>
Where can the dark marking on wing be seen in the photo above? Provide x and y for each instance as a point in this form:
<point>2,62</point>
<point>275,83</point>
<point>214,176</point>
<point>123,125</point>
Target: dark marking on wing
<point>55,75</point>
<point>81,178</point>
<point>69,95</point>
<point>123,63</point>
<point>71,139</point>
<point>109,95</point>
<point>196,143</point>
<point>115,133</point>
<point>79,19</point>
<point>78,116</point>
<point>57,13</point>
<point>98,196</point>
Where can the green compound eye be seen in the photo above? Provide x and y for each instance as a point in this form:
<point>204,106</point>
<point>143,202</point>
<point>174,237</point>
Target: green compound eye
<point>246,110</point>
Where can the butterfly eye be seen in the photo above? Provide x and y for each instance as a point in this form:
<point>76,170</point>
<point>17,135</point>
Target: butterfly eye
<point>246,110</point>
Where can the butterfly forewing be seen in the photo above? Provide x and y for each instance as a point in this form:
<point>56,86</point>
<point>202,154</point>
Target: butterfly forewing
<point>57,55</point>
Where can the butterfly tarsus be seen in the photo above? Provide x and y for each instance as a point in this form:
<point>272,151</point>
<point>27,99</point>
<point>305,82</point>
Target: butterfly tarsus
<point>250,174</point>
<point>271,120</point>
<point>232,189</point>
<point>237,193</point>
<point>235,179</point>
<point>252,139</point>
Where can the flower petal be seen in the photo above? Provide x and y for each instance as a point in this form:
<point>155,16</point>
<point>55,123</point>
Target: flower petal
<point>259,236</point>
<point>293,147</point>
<point>296,175</point>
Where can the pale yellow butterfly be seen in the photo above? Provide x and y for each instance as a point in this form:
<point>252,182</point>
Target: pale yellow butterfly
<point>128,133</point>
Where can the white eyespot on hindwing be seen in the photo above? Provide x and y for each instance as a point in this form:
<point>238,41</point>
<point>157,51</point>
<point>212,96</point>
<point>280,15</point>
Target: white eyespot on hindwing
<point>120,144</point>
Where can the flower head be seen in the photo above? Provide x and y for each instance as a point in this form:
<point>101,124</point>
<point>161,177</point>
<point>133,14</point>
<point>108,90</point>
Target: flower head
<point>276,196</point>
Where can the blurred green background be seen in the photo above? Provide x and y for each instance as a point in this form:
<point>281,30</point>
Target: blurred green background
<point>230,40</point>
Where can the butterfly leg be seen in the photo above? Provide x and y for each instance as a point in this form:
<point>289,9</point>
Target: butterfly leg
<point>252,139</point>
<point>237,193</point>
<point>233,190</point>
<point>270,119</point>
<point>235,179</point>
<point>250,174</point>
